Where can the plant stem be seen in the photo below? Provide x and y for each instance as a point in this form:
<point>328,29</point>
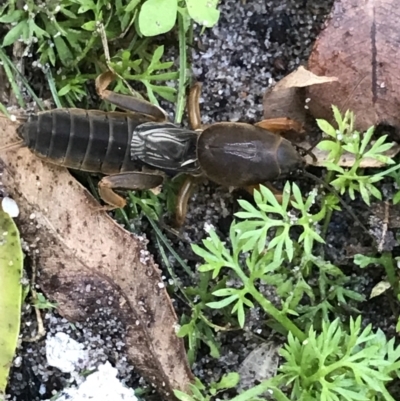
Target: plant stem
<point>329,212</point>
<point>82,55</point>
<point>388,171</point>
<point>276,314</point>
<point>28,87</point>
<point>387,262</point>
<point>169,247</point>
<point>327,220</point>
<point>180,105</point>
<point>53,89</point>
<point>11,78</point>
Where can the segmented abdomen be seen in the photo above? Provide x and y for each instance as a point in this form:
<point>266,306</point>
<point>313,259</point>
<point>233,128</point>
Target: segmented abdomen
<point>88,140</point>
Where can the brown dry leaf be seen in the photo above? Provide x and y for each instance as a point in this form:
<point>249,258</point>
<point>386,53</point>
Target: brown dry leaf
<point>261,364</point>
<point>302,78</point>
<point>389,212</point>
<point>347,159</point>
<point>287,97</point>
<point>360,46</point>
<point>381,221</point>
<point>86,260</point>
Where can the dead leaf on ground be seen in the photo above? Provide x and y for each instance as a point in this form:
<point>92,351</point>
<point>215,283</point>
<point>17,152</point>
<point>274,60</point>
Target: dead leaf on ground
<point>387,212</point>
<point>287,97</point>
<point>87,262</point>
<point>381,222</point>
<point>360,46</point>
<point>302,78</point>
<point>261,364</point>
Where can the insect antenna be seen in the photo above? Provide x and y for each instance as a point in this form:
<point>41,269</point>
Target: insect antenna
<point>309,152</point>
<point>342,202</point>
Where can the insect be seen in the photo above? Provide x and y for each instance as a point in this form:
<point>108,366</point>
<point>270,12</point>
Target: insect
<point>137,148</point>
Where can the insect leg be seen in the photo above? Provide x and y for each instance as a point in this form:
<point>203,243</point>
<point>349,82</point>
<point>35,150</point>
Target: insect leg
<point>193,108</point>
<point>126,181</point>
<point>184,195</point>
<point>126,102</point>
<point>278,125</point>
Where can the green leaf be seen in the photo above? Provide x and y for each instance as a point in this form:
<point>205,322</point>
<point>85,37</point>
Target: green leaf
<point>351,148</point>
<point>203,12</point>
<point>297,195</point>
<point>89,26</point>
<point>327,128</point>
<point>225,291</point>
<point>64,90</point>
<point>349,395</point>
<point>14,16</point>
<point>185,330</point>
<point>366,139</point>
<point>165,65</point>
<point>333,167</point>
<point>180,395</point>
<point>338,117</point>
<point>125,21</point>
<point>224,302</point>
<point>68,13</point>
<point>240,314</point>
<point>150,92</point>
<point>328,145</point>
<point>73,38</point>
<point>166,92</point>
<point>364,193</point>
<point>199,251</point>
<point>39,32</point>
<point>157,17</point>
<point>66,57</point>
<point>229,380</point>
<point>197,393</point>
<point>158,53</point>
<point>270,197</point>
<point>364,261</point>
<point>249,207</point>
<point>132,5</point>
<point>289,248</point>
<point>42,302</point>
<point>166,76</point>
<point>49,52</point>
<point>15,33</point>
<point>86,5</point>
<point>11,268</point>
<point>379,147</point>
<point>375,191</point>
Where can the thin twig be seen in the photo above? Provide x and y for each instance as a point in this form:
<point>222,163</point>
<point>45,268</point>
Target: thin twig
<point>342,202</point>
<point>104,42</point>
<point>181,100</point>
<point>41,331</point>
<point>53,89</point>
<point>169,247</point>
<point>385,226</point>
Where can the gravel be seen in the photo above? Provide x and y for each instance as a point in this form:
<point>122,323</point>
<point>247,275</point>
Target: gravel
<point>254,45</point>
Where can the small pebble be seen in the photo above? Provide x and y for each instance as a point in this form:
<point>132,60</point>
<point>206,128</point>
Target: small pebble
<point>10,207</point>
